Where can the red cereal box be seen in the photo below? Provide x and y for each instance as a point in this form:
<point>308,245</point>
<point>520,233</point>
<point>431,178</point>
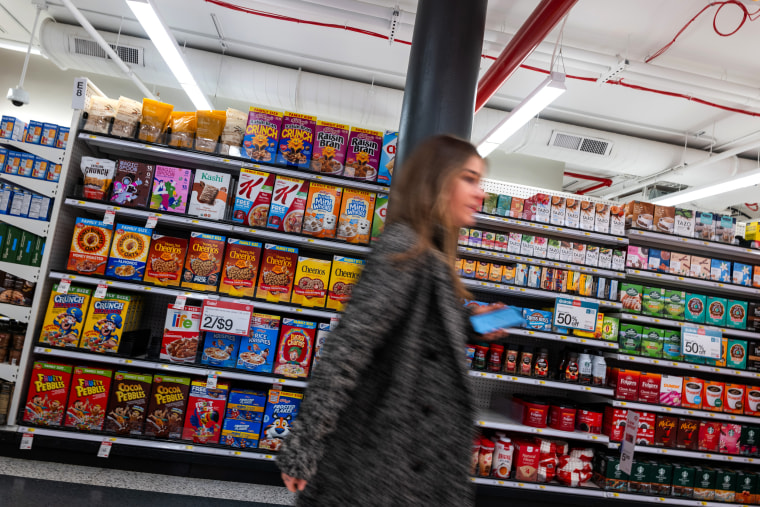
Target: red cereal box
<point>295,348</point>
<point>48,388</point>
<point>363,154</point>
<point>181,334</point>
<point>288,204</point>
<point>205,412</point>
<point>253,197</point>
<point>262,134</point>
<point>329,153</point>
<point>709,436</point>
<point>88,398</point>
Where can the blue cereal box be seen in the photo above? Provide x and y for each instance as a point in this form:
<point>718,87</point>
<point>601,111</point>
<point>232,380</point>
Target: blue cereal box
<point>296,140</point>
<point>49,134</point>
<point>62,139</point>
<point>33,132</point>
<point>387,157</point>
<point>537,320</point>
<point>12,128</point>
<point>26,167</point>
<point>240,434</point>
<point>40,168</point>
<point>262,134</point>
<point>129,252</point>
<point>242,422</point>
<point>279,414</point>
<point>257,351</point>
<point>742,274</point>
<point>720,270</point>
<point>220,349</point>
<point>12,162</point>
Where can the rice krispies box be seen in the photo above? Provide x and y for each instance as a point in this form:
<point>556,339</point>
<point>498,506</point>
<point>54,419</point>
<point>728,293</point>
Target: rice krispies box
<point>258,349</point>
<point>363,154</point>
<point>241,267</point>
<point>242,422</point>
<point>89,247</point>
<point>132,183</point>
<point>64,317</point>
<point>165,259</point>
<point>167,407</point>
<point>279,414</point>
<point>277,272</point>
<point>356,211</point>
<point>48,389</point>
<point>203,263</point>
<point>128,403</point>
<point>181,334</point>
<point>288,204</point>
<point>262,134</point>
<point>295,348</point>
<point>205,411</point>
<point>220,349</point>
<point>253,197</point>
<point>387,158</point>
<point>171,186</point>
<point>129,252</point>
<point>296,140</point>
<point>322,208</point>
<point>88,398</point>
<point>330,144</point>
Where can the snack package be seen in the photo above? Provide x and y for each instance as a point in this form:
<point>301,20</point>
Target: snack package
<point>48,389</point>
<point>170,188</point>
<point>154,116</point>
<point>205,411</point>
<point>277,273</point>
<point>295,348</point>
<point>203,263</point>
<point>99,111</point>
<point>355,222</point>
<point>166,410</point>
<point>128,403</point>
<point>240,268</point>
<point>253,197</point>
<point>378,223</point>
<point>210,127</point>
<point>363,154</point>
<point>89,247</point>
<point>64,317</point>
<point>88,398</point>
<point>166,257</point>
<point>132,183</point>
<point>98,175</point>
<point>279,414</point>
<point>388,158</point>
<point>262,134</point>
<point>233,132</point>
<point>128,114</point>
<point>258,349</point>
<point>329,154</point>
<point>181,334</point>
<point>242,422</point>
<point>129,252</point>
<point>322,207</point>
<point>208,198</point>
<point>183,125</point>
<point>296,140</point>
<point>344,275</point>
<point>310,286</point>
<point>288,204</point>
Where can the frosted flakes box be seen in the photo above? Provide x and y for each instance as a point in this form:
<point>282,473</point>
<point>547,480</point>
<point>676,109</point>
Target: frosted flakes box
<point>253,197</point>
<point>322,208</point>
<point>128,403</point>
<point>220,349</point>
<point>262,134</point>
<point>279,414</point>
<point>329,153</point>
<point>129,252</point>
<point>166,410</point>
<point>241,267</point>
<point>288,204</point>
<point>64,317</point>
<point>295,348</point>
<point>165,259</point>
<point>181,334</point>
<point>171,186</point>
<point>242,421</point>
<point>205,412</point>
<point>355,222</point>
<point>107,319</point>
<point>388,158</point>
<point>344,275</point>
<point>88,398</point>
<point>277,272</point>
<point>363,154</point>
<point>132,183</point>
<point>89,247</point>
<point>381,210</point>
<point>203,263</point>
<point>258,349</point>
<point>48,390</point>
<point>310,285</point>
<point>208,198</point>
<point>296,140</point>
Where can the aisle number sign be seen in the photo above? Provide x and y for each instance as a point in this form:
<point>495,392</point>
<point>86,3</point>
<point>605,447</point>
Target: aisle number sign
<point>575,314</point>
<point>226,317</point>
<point>701,342</point>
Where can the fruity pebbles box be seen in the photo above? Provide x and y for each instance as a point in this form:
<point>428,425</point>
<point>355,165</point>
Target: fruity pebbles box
<point>281,410</point>
<point>204,261</point>
<point>167,407</point>
<point>242,422</point>
<point>288,204</point>
<point>262,134</point>
<point>295,348</point>
<point>258,349</point>
<point>344,275</point>
<point>165,259</point>
<point>89,247</point>
<point>48,389</point>
<point>64,317</point>
<point>129,400</point>
<point>329,148</point>
<point>241,267</point>
<point>129,252</point>
<point>253,197</point>
<point>88,398</point>
<point>363,154</point>
<point>205,411</point>
<point>277,272</point>
<point>296,140</point>
<point>171,186</point>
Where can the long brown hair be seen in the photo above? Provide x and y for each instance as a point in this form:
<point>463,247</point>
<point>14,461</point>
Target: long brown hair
<point>420,197</point>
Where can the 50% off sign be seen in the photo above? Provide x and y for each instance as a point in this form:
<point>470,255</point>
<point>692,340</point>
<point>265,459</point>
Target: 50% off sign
<point>575,314</point>
<point>226,317</point>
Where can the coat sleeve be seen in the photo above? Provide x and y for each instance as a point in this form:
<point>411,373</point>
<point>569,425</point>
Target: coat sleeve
<point>379,300</point>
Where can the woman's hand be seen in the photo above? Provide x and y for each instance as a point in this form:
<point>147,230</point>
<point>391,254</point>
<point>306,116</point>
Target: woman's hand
<point>493,335</point>
<point>294,485</point>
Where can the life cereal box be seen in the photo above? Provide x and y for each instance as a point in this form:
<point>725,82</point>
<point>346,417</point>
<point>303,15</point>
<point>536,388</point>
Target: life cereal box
<point>241,267</point>
<point>132,183</point>
<point>165,259</point>
<point>88,398</point>
<point>220,349</point>
<point>278,268</point>
<point>107,319</point>
<point>48,389</point>
<point>363,154</point>
<point>253,197</point>
<point>181,334</point>
<point>171,186</point>
<point>205,412</point>
<point>89,247</point>
<point>128,403</point>
<point>329,152</point>
<point>64,317</point>
<point>279,414</point>
<point>378,222</point>
<point>355,222</point>
<point>203,263</point>
<point>344,275</point>
<point>262,134</point>
<point>288,204</point>
<point>296,140</point>
<point>129,252</point>
<point>242,422</point>
<point>322,207</point>
<point>167,407</point>
<point>257,350</point>
<point>310,286</point>
<point>295,348</point>
<point>387,158</point>
<point>208,198</point>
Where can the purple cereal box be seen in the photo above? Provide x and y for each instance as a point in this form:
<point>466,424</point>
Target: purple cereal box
<point>329,152</point>
<point>262,134</point>
<point>296,140</point>
<point>363,155</point>
<point>170,188</point>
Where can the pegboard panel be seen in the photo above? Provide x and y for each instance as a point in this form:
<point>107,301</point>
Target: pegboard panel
<point>524,191</point>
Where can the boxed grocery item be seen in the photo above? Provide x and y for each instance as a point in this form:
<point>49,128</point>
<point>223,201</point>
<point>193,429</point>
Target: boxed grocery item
<point>62,138</point>
<point>280,412</point>
<point>54,172</point>
<point>12,162</point>
<point>208,197</point>
<point>729,438</point>
<point>26,167</point>
<point>736,354</point>
<point>167,407</point>
<point>261,134</point>
<point>675,301</point>
<point>129,252</point>
<point>662,477</point>
<point>253,197</point>
<point>664,219</point>
<point>610,328</point>
<point>725,229</point>
<point>665,430</point>
<point>296,140</point>
<point>752,395</point>
<point>527,454</point>
<point>203,263</point>
<point>579,253</point>
<point>617,220</point>
<point>618,260</point>
<point>329,153</point>
<point>631,297</point>
<point>295,348</point>
<point>356,210</point>
<point>651,342</point>
<point>704,484</point>
<point>277,272</point>
<point>637,257</point>
<point>683,480</point>
<point>220,350</point>
<point>476,239</point>
<point>557,213</point>
<point>363,154</point>
<point>627,386</point>
<point>258,349</point>
<point>540,247</point>
<point>713,400</point>
<point>704,225</point>
<point>709,436</point>
<point>639,215</point>
<point>128,403</point>
<point>749,443</point>
<point>694,309</point>
<point>543,204</point>
<point>40,166</point>
<point>687,436</point>
<point>388,159</point>
<point>538,320</point>
<point>572,213</point>
<point>181,334</point>
<point>653,301</point>
<point>608,476</point>
<point>344,275</point>
<point>753,316</point>
<point>671,345</point>
<point>592,256</point>
<point>171,186</point>
<point>288,204</point>
<point>64,317</point>
<point>242,421</point>
<point>89,247</point>
<point>659,260</point>
<point>322,209</point>
<point>680,264</point>
<point>684,222</point>
<point>693,393</point>
<point>700,267</point>
<point>48,390</point>
<point>602,218</point>
<point>33,132</point>
<point>12,128</point>
<point>526,245</point>
<point>671,388</point>
<point>614,423</point>
<point>756,276</point>
<point>240,268</point>
<point>641,477</point>
<point>587,215</point>
<point>733,402</point>
<point>311,281</point>
<point>529,209</point>
<point>742,274</point>
<point>205,411</point>
<point>49,134</point>
<point>88,398</point>
<point>649,387</point>
<point>503,204</point>
<point>516,206</point>
<point>107,320</point>
<point>716,311</point>
<point>132,183</point>
<point>166,257</point>
<point>468,269</point>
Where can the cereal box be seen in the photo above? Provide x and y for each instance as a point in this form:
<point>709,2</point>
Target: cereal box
<point>279,414</point>
<point>181,334</point>
<point>65,317</point>
<point>62,139</point>
<point>48,389</point>
<point>288,204</point>
<point>132,183</point>
<point>241,267</point>
<point>107,319</point>
<point>329,153</point>
<point>310,285</point>
<point>381,210</point>
<point>40,167</point>
<point>166,257</point>
<point>344,275</point>
<point>258,349</point>
<point>278,268</point>
<point>322,207</point>
<point>129,252</point>
<point>33,132</point>
<point>363,154</point>
<point>388,158</point>
<point>295,348</point>
<point>89,247</point>
<point>203,263</point>
<point>128,403</point>
<point>253,197</point>
<point>242,422</point>
<point>166,410</point>
<point>296,140</point>
<point>262,134</point>
<point>171,186</point>
<point>88,398</point>
<point>205,412</point>
<point>720,270</point>
<point>208,198</point>
<point>323,331</point>
<point>220,350</point>
<point>355,223</point>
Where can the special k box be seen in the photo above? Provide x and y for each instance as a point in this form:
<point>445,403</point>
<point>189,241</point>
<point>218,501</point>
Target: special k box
<point>240,269</point>
<point>288,204</point>
<point>88,398</point>
<point>205,412</point>
<point>48,389</point>
<point>253,197</point>
<point>363,154</point>
<point>278,268</point>
<point>262,134</point>
<point>329,153</point>
<point>279,414</point>
<point>181,333</point>
<point>296,140</point>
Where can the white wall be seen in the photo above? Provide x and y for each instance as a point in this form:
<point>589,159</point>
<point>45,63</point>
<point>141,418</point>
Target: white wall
<point>526,170</point>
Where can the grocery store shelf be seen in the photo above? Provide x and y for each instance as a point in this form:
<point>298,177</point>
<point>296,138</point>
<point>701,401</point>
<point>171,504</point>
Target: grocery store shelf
<point>532,293</point>
<point>38,227</point>
<point>44,187</point>
<point>20,313</point>
<point>488,254</point>
<point>54,155</point>
<point>682,366</point>
<point>719,416</point>
<point>187,369</point>
<point>497,421</point>
<point>710,248</point>
<point>8,372</point>
<point>645,449</point>
<point>692,284</point>
<point>168,155</point>
<point>590,490</point>
<point>645,319</point>
<point>591,342</point>
<point>514,224</point>
<point>21,270</point>
<point>565,386</point>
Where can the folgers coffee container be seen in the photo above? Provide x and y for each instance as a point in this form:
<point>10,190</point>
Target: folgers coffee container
<point>627,387</point>
<point>645,431</point>
<point>535,411</point>
<point>734,399</point>
<point>665,429</point>
<point>687,436</point>
<point>562,416</point>
<point>709,436</point>
<point>589,419</point>
<point>613,424</point>
<point>713,396</point>
<point>649,387</point>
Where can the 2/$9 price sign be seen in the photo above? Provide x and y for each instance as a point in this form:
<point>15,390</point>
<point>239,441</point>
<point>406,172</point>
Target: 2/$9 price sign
<point>698,341</point>
<point>226,317</point>
<point>575,314</point>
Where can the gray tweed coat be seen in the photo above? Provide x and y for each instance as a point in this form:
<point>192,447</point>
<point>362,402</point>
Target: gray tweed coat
<point>388,418</point>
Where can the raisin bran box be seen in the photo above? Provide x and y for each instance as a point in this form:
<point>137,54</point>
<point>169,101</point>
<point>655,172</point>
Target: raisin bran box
<point>167,407</point>
<point>277,272</point>
<point>181,334</point>
<point>220,349</point>
<point>89,247</point>
<point>363,154</point>
<point>171,186</point>
<point>203,263</point>
<point>279,414</point>
<point>128,403</point>
<point>311,280</point>
<point>48,390</point>
<point>262,134</point>
<point>88,398</point>
<point>329,153</point>
<point>296,140</point>
<point>166,257</point>
<point>209,194</point>
<point>132,183</point>
<point>64,317</point>
<point>387,158</point>
<point>129,252</point>
<point>242,422</point>
<point>257,350</point>
<point>344,275</point>
<point>205,412</point>
<point>322,208</point>
<point>288,204</point>
<point>240,268</point>
<point>253,197</point>
<point>295,348</point>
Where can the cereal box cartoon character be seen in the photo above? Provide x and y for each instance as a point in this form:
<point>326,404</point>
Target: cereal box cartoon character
<point>66,323</point>
<point>106,330</point>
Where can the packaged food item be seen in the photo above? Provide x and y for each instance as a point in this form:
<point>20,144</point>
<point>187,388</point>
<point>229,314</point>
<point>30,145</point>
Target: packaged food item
<point>322,207</point>
<point>108,319</point>
<point>378,223</point>
<point>262,134</point>
<point>734,398</point>
<point>637,257</point>
<point>253,197</point>
<point>89,247</point>
<point>649,387</point>
<point>181,334</point>
<point>129,252</point>
<point>154,116</point>
<point>627,387</point>
<point>736,355</point>
<point>48,389</point>
<point>311,280</point>
<point>26,166</point>
<point>704,225</point>
<point>132,183</point>
<point>504,205</point>
<point>12,128</point>
<point>277,273</point>
<point>363,154</point>
<point>296,140</point>
<point>166,257</point>
<point>557,211</point>
<point>53,172</point>
<point>700,267</point>
<point>242,422</point>
<point>220,349</point>
<point>99,111</point>
<point>64,317</point>
<point>128,403</point>
<point>671,346</point>
<point>720,270</point>
<point>716,311</point>
<point>388,158</point>
<point>653,301</point>
<point>742,274</point>
<point>280,412</point>
<point>210,127</point>
<point>258,349</point>
<point>665,431</point>
<point>329,153</point>
<point>208,198</point>
<point>687,436</point>
<point>631,297</point>
<point>344,275</point>
<point>693,393</point>
<point>167,407</point>
<point>354,224</point>
<point>713,396</point>
<point>729,438</point>
<point>572,213</point>
<point>240,268</point>
<point>694,309</point>
<point>88,398</point>
<point>288,204</point>
<point>233,132</point>
<point>40,166</point>
<point>526,460</point>
<point>98,175</point>
<point>170,189</point>
<point>205,411</point>
<point>295,348</point>
<point>203,263</point>
<point>182,125</point>
<point>602,218</point>
<point>725,229</point>
<point>127,117</point>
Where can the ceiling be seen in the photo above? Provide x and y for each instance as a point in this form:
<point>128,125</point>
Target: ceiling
<point>699,67</point>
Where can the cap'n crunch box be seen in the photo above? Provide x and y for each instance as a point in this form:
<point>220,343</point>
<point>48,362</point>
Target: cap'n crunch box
<point>89,247</point>
<point>107,319</point>
<point>181,334</point>
<point>363,154</point>
<point>296,140</point>
<point>205,412</point>
<point>355,222</point>
<point>279,414</point>
<point>88,398</point>
<point>165,259</point>
<point>277,272</point>
<point>203,263</point>
<point>311,280</point>
<point>257,350</point>
<point>262,134</point>
<point>129,252</point>
<point>288,204</point>
<point>344,275</point>
<point>329,153</point>
<point>48,389</point>
<point>166,410</point>
<point>295,348</point>
<point>64,317</point>
<point>253,197</point>
<point>129,400</point>
<point>322,207</point>
<point>240,269</point>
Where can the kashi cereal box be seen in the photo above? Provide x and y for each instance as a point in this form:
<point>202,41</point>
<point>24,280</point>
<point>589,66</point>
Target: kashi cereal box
<point>242,422</point>
<point>355,222</point>
<point>129,252</point>
<point>387,158</point>
<point>167,407</point>
<point>322,207</point>
<point>181,334</point>
<point>253,197</point>
<point>165,260</point>
<point>205,412</point>
<point>241,267</point>
<point>132,183</point>
<point>329,152</point>
<point>279,414</point>
<point>262,134</point>
<point>203,263</point>
<point>296,140</point>
<point>295,348</point>
<point>258,349</point>
<point>381,210</point>
<point>343,276</point>
<point>128,403</point>
<point>288,204</point>
<point>88,398</point>
<point>363,154</point>
<point>171,186</point>
<point>310,285</point>
<point>48,390</point>
<point>220,349</point>
<point>89,247</point>
<point>209,195</point>
<point>277,272</point>
<point>64,318</point>
<point>107,319</point>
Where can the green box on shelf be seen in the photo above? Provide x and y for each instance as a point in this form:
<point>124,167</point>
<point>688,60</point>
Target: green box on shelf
<point>631,297</point>
<point>24,254</point>
<point>662,478</point>
<point>653,301</point>
<point>39,248</point>
<point>3,233</point>
<point>641,477</point>
<point>504,203</point>
<point>671,344</point>
<point>705,478</point>
<point>736,314</point>
<point>12,244</point>
<point>695,308</point>
<point>490,202</point>
<point>629,340</point>
<point>715,311</point>
<point>610,328</point>
<point>746,484</point>
<point>651,342</point>
<point>675,303</point>
<point>749,440</point>
<point>725,480</point>
<point>608,475</point>
<point>683,480</point>
<point>736,353</point>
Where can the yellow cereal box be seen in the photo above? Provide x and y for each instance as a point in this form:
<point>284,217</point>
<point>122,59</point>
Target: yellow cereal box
<point>107,319</point>
<point>64,318</point>
<point>89,247</point>
<point>312,277</point>
<point>344,274</point>
<point>355,223</point>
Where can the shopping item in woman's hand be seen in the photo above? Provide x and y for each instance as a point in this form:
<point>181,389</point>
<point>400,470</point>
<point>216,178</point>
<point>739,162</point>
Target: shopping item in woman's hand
<point>503,318</point>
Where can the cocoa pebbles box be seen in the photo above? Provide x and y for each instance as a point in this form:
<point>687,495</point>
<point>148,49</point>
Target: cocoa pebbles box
<point>204,261</point>
<point>241,267</point>
<point>262,134</point>
<point>296,140</point>
<point>295,348</point>
<point>128,403</point>
<point>88,398</point>
<point>132,183</point>
<point>166,410</point>
<point>277,272</point>
<point>48,389</point>
<point>363,154</point>
<point>329,154</point>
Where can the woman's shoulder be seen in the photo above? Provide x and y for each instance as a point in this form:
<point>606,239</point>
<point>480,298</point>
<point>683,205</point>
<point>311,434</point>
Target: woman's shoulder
<point>398,237</point>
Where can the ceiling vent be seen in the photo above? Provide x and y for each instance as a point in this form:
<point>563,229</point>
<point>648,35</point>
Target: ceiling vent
<point>580,143</point>
<point>88,47</point>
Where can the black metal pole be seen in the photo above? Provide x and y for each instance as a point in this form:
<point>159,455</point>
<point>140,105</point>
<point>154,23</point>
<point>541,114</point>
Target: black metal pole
<point>442,77</point>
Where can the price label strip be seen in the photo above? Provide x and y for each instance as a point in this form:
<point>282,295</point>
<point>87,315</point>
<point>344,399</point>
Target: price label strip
<point>64,285</point>
<point>575,314</point>
<point>151,222</point>
<point>226,317</point>
<point>701,342</point>
<point>26,441</point>
<point>629,442</point>
<point>179,303</point>
<point>105,449</point>
<point>100,291</point>
<point>109,217</point>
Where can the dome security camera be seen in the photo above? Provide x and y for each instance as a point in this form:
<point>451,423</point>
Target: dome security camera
<point>18,96</point>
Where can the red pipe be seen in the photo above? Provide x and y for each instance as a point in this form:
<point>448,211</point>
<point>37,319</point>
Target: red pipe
<point>535,29</point>
<point>603,182</point>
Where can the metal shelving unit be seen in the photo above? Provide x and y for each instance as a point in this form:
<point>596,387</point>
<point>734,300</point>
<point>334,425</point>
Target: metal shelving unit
<point>43,187</point>
<point>551,230</point>
<point>497,421</point>
<point>30,273</point>
<point>589,342</point>
<point>8,372</point>
<point>682,366</point>
<point>514,290</point>
<point>719,416</point>
<point>54,155</point>
<point>692,284</point>
<point>681,453</point>
<point>38,227</point>
<point>679,243</point>
<point>645,319</point>
<point>20,313</point>
<point>551,384</point>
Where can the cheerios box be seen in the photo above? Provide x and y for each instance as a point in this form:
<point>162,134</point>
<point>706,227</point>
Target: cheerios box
<point>88,398</point>
<point>295,348</point>
<point>166,257</point>
<point>240,268</point>
<point>363,154</point>
<point>310,286</point>
<point>262,134</point>
<point>89,247</point>
<point>387,158</point>
<point>203,263</point>
<point>356,211</point>
<point>277,272</point>
<point>107,320</point>
<point>258,349</point>
<point>253,197</point>
<point>279,414</point>
<point>48,390</point>
<point>205,413</point>
<point>181,334</point>
<point>343,276</point>
<point>64,317</point>
<point>296,140</point>
<point>129,252</point>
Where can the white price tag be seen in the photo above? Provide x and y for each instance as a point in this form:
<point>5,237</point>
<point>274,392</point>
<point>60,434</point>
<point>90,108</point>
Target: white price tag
<point>100,292</point>
<point>702,342</point>
<point>575,314</point>
<point>179,303</point>
<point>152,221</point>
<point>109,217</point>
<point>211,381</point>
<point>334,322</point>
<point>629,441</point>
<point>26,441</point>
<point>226,317</point>
<point>63,286</point>
<point>105,449</point>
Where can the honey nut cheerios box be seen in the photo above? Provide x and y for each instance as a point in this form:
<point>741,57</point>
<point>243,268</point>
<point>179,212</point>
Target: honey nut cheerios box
<point>48,391</point>
<point>277,272</point>
<point>108,319</point>
<point>129,252</point>
<point>310,286</point>
<point>64,318</point>
<point>203,263</point>
<point>88,398</point>
<point>89,247</point>
<point>344,275</point>
<point>240,268</point>
<point>166,257</point>
<point>356,211</point>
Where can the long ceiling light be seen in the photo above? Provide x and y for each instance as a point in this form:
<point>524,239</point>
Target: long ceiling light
<point>546,93</point>
<point>747,180</point>
<point>167,46</point>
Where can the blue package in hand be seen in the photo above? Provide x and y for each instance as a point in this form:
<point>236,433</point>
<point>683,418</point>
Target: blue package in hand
<point>504,318</point>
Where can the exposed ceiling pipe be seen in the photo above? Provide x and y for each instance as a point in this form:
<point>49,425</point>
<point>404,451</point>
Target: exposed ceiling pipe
<point>603,182</point>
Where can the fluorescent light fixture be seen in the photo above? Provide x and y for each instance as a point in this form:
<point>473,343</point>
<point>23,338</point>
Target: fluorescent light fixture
<point>167,46</point>
<point>694,194</point>
<point>17,46</point>
<point>546,93</point>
